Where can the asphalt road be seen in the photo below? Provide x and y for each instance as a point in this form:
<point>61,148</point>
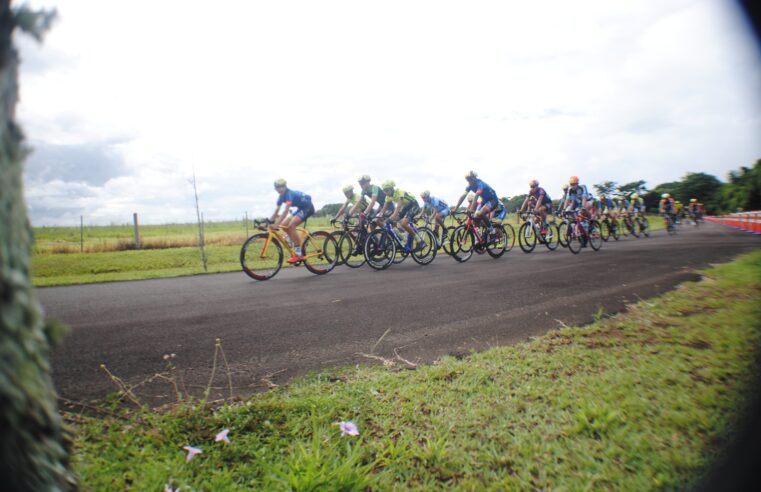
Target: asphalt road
<point>297,322</point>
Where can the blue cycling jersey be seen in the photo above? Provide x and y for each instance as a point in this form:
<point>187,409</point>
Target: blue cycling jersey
<point>297,199</point>
<point>436,204</point>
<point>487,192</point>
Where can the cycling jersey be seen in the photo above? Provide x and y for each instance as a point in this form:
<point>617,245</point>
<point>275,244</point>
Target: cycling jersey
<point>487,192</point>
<point>436,204</point>
<point>298,199</point>
<point>357,198</point>
<point>402,196</point>
<point>667,204</point>
<point>539,193</point>
<point>607,204</point>
<point>375,191</point>
<point>577,194</point>
<point>638,204</point>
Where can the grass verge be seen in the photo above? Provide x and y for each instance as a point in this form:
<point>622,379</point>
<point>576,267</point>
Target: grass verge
<point>644,400</point>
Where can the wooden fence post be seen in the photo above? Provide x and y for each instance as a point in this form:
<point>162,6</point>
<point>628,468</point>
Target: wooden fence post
<point>137,233</point>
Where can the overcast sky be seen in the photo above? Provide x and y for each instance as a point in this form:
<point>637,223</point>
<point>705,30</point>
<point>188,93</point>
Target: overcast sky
<point>124,100</point>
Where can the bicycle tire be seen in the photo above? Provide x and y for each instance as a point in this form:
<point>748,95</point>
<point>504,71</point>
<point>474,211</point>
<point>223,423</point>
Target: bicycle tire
<point>445,243</point>
<point>260,266</point>
<point>462,244</point>
<point>604,230</point>
<point>633,228</point>
<point>527,237</point>
<point>563,234</point>
<point>645,227</point>
<point>552,238</point>
<point>337,235</point>
<point>379,249</point>
<point>594,235</point>
<point>352,254</point>
<point>320,252</point>
<point>497,247</point>
<point>426,255</point>
<point>509,236</point>
<point>614,230</point>
<point>574,240</point>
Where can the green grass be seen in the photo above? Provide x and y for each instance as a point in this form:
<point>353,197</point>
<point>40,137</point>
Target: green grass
<point>643,400</point>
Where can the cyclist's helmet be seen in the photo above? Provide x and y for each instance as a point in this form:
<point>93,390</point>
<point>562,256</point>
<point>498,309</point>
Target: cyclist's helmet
<point>388,185</point>
<point>425,194</point>
<point>665,195</point>
<point>574,180</point>
<point>693,200</point>
<point>348,189</point>
<point>364,179</point>
<point>280,183</point>
<point>471,175</point>
<point>533,183</point>
<point>634,196</point>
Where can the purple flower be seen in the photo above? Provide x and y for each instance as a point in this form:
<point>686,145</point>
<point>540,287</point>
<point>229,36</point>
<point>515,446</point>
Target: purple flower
<point>348,428</point>
<point>222,436</point>
<point>191,452</point>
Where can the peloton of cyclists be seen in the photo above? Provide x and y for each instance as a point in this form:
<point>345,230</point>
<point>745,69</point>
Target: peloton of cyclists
<point>288,220</point>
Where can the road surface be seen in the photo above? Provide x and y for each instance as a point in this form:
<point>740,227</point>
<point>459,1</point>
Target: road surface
<point>297,322</point>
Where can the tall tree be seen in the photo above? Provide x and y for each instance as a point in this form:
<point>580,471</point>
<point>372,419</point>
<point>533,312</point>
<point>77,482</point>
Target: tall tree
<point>702,186</point>
<point>33,453</point>
<point>606,187</point>
<point>743,191</point>
<point>633,187</point>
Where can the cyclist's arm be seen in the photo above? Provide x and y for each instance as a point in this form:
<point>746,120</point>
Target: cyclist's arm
<point>341,210</point>
<point>371,204</point>
<point>459,202</point>
<point>277,220</point>
<point>397,209</point>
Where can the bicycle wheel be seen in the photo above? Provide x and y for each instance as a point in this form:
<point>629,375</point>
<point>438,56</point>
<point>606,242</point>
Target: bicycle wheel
<point>337,237</point>
<point>445,242</point>
<point>498,245</point>
<point>427,254</point>
<point>644,226</point>
<point>604,230</point>
<point>509,236</point>
<point>379,249</point>
<point>351,254</point>
<point>552,238</point>
<point>595,237</point>
<point>632,227</point>
<point>563,234</point>
<point>261,257</point>
<point>527,237</point>
<point>574,239</point>
<point>614,229</point>
<point>462,242</point>
<point>320,252</point>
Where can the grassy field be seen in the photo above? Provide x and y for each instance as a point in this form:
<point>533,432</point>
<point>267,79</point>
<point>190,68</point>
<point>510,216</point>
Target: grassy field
<point>107,253</point>
<point>644,400</point>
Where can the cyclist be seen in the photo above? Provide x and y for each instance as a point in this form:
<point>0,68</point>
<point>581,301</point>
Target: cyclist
<point>678,211</point>
<point>541,201</point>
<point>578,197</point>
<point>561,203</point>
<point>303,210</point>
<point>667,208</point>
<point>374,194</point>
<point>636,206</point>
<point>405,210</point>
<point>608,207</point>
<point>695,209</point>
<point>488,197</point>
<point>352,199</point>
<point>439,211</point>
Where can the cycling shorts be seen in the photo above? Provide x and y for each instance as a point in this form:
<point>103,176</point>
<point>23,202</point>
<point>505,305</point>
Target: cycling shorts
<point>409,211</point>
<point>304,213</point>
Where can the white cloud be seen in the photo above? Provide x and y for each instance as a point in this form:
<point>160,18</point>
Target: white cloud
<point>420,92</point>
